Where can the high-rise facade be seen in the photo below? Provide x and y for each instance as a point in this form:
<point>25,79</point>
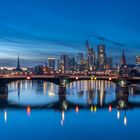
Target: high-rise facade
<point>80,58</point>
<point>51,63</point>
<point>71,63</point>
<point>109,62</point>
<point>90,57</point>
<point>80,65</point>
<point>64,61</point>
<point>101,53</point>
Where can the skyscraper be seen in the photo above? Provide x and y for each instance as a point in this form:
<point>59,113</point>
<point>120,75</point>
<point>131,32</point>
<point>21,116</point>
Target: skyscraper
<point>51,63</point>
<point>64,61</point>
<point>101,57</point>
<point>80,58</point>
<point>123,59</point>
<point>109,62</point>
<point>71,63</point>
<point>80,66</point>
<point>90,57</point>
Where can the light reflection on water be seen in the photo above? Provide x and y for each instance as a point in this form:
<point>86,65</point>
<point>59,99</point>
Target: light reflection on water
<point>32,92</point>
<point>87,110</point>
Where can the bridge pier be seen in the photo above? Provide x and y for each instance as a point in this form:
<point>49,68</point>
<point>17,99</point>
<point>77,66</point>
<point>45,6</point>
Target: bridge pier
<point>3,95</point>
<point>122,94</point>
<point>3,89</point>
<point>62,98</point>
<point>122,83</point>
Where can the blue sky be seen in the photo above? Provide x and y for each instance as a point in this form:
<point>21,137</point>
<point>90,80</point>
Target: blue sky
<point>36,29</point>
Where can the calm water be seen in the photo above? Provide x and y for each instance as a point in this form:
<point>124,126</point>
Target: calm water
<point>86,110</point>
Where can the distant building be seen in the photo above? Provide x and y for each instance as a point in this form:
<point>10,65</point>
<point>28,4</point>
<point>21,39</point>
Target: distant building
<point>80,58</point>
<point>123,59</point>
<point>64,62</point>
<point>80,62</point>
<point>51,63</point>
<point>71,63</point>
<point>90,57</point>
<point>18,65</point>
<point>101,56</point>
<point>38,69</point>
<point>109,62</point>
<point>137,60</point>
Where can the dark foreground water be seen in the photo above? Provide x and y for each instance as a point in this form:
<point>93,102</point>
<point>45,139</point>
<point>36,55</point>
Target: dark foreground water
<point>86,110</point>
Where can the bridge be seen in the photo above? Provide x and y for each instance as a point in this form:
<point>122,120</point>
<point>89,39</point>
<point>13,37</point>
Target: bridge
<point>66,79</point>
<point>63,80</point>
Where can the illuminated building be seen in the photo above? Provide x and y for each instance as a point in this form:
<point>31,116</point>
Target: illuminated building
<point>101,62</point>
<point>51,63</point>
<point>80,62</point>
<point>38,69</point>
<point>109,62</point>
<point>90,57</point>
<point>71,63</point>
<point>64,59</point>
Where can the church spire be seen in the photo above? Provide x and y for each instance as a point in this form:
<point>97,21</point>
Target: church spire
<point>123,59</point>
<point>18,64</point>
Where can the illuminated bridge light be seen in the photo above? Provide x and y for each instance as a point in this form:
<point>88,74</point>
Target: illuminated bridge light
<point>110,78</point>
<point>28,77</point>
<point>91,78</point>
<point>95,78</point>
<point>77,78</point>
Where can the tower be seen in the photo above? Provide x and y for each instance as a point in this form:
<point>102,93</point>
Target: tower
<point>101,56</point>
<point>90,56</point>
<point>18,64</point>
<point>123,59</point>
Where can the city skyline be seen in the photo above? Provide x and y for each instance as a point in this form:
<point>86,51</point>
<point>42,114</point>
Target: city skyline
<point>39,29</point>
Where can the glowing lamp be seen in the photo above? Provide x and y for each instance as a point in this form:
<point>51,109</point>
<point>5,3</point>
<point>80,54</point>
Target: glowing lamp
<point>28,77</point>
<point>110,78</point>
<point>77,78</point>
<point>91,78</point>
